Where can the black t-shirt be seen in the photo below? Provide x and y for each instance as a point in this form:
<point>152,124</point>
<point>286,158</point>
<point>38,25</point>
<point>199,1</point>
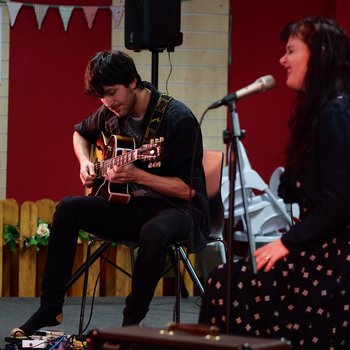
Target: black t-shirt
<point>179,128</point>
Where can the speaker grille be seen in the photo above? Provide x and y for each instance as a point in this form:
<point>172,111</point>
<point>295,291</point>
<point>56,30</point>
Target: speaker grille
<point>152,24</point>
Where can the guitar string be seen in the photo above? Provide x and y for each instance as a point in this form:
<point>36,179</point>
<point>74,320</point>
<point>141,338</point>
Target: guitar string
<point>122,157</point>
<point>125,158</point>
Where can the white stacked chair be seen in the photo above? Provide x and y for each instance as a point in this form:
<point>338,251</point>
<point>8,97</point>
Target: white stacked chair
<point>266,211</point>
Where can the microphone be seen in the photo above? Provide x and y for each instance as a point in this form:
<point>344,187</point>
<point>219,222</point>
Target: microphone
<point>260,85</point>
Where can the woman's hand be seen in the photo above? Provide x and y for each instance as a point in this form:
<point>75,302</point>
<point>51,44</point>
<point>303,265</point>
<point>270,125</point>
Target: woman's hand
<point>269,253</point>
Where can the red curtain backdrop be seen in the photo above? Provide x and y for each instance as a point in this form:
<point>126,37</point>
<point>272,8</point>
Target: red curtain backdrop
<point>46,98</point>
<point>255,51</point>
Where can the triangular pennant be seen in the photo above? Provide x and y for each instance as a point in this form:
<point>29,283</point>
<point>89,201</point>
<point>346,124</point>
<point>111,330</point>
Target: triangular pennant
<point>66,12</point>
<point>13,8</point>
<point>117,12</point>
<point>40,12</point>
<point>90,13</point>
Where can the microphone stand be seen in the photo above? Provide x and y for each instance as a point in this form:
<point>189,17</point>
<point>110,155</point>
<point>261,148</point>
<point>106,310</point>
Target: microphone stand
<point>235,164</point>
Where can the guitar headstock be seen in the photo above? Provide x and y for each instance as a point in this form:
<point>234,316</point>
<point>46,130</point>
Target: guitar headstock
<point>152,152</point>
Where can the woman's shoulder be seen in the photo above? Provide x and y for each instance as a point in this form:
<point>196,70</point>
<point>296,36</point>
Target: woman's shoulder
<point>338,101</point>
<point>335,117</point>
<point>339,105</point>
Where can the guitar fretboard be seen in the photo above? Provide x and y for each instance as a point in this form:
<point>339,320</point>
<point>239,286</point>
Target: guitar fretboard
<point>101,168</point>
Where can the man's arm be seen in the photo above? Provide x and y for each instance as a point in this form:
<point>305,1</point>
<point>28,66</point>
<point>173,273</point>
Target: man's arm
<point>169,186</point>
<point>82,151</point>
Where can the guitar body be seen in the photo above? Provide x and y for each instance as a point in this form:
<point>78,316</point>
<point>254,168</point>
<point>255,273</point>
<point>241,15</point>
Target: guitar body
<point>118,151</point>
<point>105,149</point>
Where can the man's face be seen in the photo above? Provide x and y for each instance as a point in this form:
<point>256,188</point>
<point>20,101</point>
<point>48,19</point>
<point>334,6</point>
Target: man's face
<point>120,99</point>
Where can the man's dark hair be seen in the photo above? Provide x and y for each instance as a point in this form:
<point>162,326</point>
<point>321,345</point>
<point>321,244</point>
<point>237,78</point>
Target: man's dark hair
<point>110,68</point>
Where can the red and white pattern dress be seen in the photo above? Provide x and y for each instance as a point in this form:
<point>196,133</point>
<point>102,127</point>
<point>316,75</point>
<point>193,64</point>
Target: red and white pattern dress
<point>305,299</point>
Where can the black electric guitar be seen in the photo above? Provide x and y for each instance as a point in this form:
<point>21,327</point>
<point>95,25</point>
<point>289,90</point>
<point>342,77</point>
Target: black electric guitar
<point>118,151</point>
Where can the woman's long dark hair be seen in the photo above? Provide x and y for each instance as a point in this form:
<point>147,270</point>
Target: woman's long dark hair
<point>328,75</point>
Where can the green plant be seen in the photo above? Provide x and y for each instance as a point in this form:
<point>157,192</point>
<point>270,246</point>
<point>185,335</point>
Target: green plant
<point>38,240</point>
<point>41,238</point>
<point>10,236</point>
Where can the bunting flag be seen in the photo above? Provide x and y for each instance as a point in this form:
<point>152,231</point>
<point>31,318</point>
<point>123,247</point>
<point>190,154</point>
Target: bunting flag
<point>117,12</point>
<point>13,8</point>
<point>40,12</point>
<point>90,13</point>
<point>65,12</point>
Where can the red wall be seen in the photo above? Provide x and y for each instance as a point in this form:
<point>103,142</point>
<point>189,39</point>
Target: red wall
<point>256,50</point>
<point>46,88</point>
<point>342,13</point>
<point>46,98</point>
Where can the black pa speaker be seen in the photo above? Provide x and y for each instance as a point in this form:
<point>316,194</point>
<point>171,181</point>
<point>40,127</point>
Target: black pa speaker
<point>152,24</point>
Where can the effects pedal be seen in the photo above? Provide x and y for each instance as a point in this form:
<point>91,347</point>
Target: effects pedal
<point>34,343</point>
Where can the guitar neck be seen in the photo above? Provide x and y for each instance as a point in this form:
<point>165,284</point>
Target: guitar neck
<point>104,153</point>
<point>120,160</point>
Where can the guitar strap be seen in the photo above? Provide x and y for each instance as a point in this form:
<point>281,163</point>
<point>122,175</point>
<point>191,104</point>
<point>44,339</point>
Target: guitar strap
<point>156,118</point>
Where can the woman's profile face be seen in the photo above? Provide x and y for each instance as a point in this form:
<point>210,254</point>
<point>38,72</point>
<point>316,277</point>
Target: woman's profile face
<point>295,61</point>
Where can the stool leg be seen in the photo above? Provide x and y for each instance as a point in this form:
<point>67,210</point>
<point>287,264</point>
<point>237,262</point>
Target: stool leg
<point>178,278</point>
<point>85,285</point>
<point>190,269</point>
<point>175,266</point>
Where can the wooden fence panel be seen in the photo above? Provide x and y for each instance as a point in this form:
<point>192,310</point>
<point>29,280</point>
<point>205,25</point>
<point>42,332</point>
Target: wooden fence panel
<point>46,209</point>
<point>77,287</point>
<point>27,256</point>
<point>21,272</point>
<point>123,259</point>
<point>9,271</point>
<point>108,279</point>
<point>93,272</point>
<point>11,210</point>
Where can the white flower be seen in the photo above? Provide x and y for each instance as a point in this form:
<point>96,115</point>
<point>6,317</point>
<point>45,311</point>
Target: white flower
<point>43,230</point>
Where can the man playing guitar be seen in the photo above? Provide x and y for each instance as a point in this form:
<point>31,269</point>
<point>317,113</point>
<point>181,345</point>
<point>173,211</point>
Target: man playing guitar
<point>166,202</point>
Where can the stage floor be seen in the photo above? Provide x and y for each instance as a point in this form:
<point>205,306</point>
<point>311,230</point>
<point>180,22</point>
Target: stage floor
<point>107,313</point>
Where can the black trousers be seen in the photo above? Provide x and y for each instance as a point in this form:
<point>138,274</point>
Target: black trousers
<point>151,221</point>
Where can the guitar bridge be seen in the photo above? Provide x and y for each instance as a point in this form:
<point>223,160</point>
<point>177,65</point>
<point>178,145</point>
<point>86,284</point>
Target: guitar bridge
<point>154,164</point>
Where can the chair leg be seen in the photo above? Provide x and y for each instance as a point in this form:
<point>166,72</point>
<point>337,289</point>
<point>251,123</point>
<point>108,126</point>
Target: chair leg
<point>132,258</point>
<point>178,282</point>
<point>92,259</point>
<point>190,269</point>
<point>85,285</point>
<point>175,265</point>
<point>223,255</point>
<point>181,255</point>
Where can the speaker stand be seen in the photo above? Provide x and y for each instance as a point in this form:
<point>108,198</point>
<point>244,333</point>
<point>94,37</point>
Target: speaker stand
<point>155,65</point>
